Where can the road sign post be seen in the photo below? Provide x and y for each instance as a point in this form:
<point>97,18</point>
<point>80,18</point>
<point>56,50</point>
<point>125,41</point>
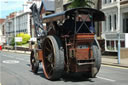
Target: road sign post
<point>118,31</point>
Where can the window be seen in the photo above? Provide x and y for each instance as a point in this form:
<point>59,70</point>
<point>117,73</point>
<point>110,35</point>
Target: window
<point>105,26</point>
<point>110,21</point>
<point>112,45</point>
<point>108,45</point>
<point>105,1</point>
<point>115,22</point>
<point>125,25</point>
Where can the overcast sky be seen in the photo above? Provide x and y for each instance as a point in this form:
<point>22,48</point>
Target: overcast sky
<point>8,6</point>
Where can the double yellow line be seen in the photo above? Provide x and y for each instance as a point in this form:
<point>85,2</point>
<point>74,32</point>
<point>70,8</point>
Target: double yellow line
<point>115,66</point>
<point>0,83</point>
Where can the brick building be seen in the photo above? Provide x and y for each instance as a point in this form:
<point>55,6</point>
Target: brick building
<point>1,31</point>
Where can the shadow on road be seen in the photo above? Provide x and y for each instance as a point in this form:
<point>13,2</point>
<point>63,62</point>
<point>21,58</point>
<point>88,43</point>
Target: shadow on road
<point>66,77</point>
<point>40,73</point>
<point>28,64</point>
<point>75,78</point>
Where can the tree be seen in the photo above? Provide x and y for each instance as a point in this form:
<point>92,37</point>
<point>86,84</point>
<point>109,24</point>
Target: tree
<point>25,39</point>
<point>81,3</point>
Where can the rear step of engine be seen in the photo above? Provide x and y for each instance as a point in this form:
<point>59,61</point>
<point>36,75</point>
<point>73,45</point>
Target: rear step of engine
<point>84,62</point>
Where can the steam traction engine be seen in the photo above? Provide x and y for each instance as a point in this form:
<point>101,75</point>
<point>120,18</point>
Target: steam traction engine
<point>68,44</point>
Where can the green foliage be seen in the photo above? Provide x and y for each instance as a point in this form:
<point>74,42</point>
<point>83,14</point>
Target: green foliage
<point>12,42</point>
<point>25,39</point>
<point>81,3</point>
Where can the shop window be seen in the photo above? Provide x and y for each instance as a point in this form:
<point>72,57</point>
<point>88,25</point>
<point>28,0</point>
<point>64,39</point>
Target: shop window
<point>112,45</point>
<point>122,43</point>
<point>108,45</point>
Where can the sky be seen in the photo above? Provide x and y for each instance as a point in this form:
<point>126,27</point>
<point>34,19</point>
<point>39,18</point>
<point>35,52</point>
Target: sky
<point>9,6</point>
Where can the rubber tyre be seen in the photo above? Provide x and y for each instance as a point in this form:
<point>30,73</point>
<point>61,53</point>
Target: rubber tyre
<point>54,59</point>
<point>97,63</point>
<point>34,63</point>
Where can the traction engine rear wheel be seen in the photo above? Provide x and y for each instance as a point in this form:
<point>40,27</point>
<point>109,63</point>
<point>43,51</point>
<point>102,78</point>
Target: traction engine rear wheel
<point>53,58</point>
<point>97,63</point>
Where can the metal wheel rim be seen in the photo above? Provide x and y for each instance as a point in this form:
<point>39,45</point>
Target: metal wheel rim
<point>48,58</point>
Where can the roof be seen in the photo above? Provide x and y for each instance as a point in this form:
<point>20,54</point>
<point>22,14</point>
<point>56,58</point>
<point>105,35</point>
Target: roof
<point>2,20</point>
<point>97,15</point>
<point>49,5</point>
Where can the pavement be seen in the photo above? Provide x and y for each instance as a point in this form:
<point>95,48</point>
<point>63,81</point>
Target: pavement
<point>17,51</point>
<point>113,60</point>
<point>106,60</point>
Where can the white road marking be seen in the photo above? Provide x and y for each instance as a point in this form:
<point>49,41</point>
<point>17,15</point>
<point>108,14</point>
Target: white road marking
<point>11,61</point>
<point>106,79</point>
<point>115,67</point>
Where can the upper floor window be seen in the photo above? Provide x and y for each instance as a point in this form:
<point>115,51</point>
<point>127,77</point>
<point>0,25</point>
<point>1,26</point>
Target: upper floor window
<point>105,25</point>
<point>110,22</point>
<point>105,1</point>
<point>110,1</point>
<point>115,21</point>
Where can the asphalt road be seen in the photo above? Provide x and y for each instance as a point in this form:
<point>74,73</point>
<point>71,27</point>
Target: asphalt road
<point>15,70</point>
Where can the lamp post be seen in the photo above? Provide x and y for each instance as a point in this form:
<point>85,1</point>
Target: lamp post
<point>15,30</point>
<point>118,31</point>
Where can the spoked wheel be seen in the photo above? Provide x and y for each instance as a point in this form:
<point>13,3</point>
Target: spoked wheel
<point>34,63</point>
<point>97,57</point>
<point>53,58</point>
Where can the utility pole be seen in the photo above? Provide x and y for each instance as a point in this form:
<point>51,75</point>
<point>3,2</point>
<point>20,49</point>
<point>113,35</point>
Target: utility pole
<point>15,30</point>
<point>118,31</point>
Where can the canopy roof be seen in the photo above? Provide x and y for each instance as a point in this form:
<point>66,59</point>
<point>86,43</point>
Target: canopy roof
<point>97,15</point>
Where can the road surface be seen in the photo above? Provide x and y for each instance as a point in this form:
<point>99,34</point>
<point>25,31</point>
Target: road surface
<point>15,70</point>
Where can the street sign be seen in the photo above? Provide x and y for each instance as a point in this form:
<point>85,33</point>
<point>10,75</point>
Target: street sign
<point>2,40</point>
<point>114,36</point>
<point>18,39</point>
<point>33,39</point>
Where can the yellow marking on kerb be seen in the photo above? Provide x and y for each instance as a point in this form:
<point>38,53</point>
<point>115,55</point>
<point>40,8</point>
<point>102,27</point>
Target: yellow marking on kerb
<point>115,66</point>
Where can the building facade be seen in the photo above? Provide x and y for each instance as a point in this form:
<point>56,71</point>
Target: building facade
<point>111,30</point>
<point>18,22</point>
<point>1,31</point>
<point>1,22</point>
